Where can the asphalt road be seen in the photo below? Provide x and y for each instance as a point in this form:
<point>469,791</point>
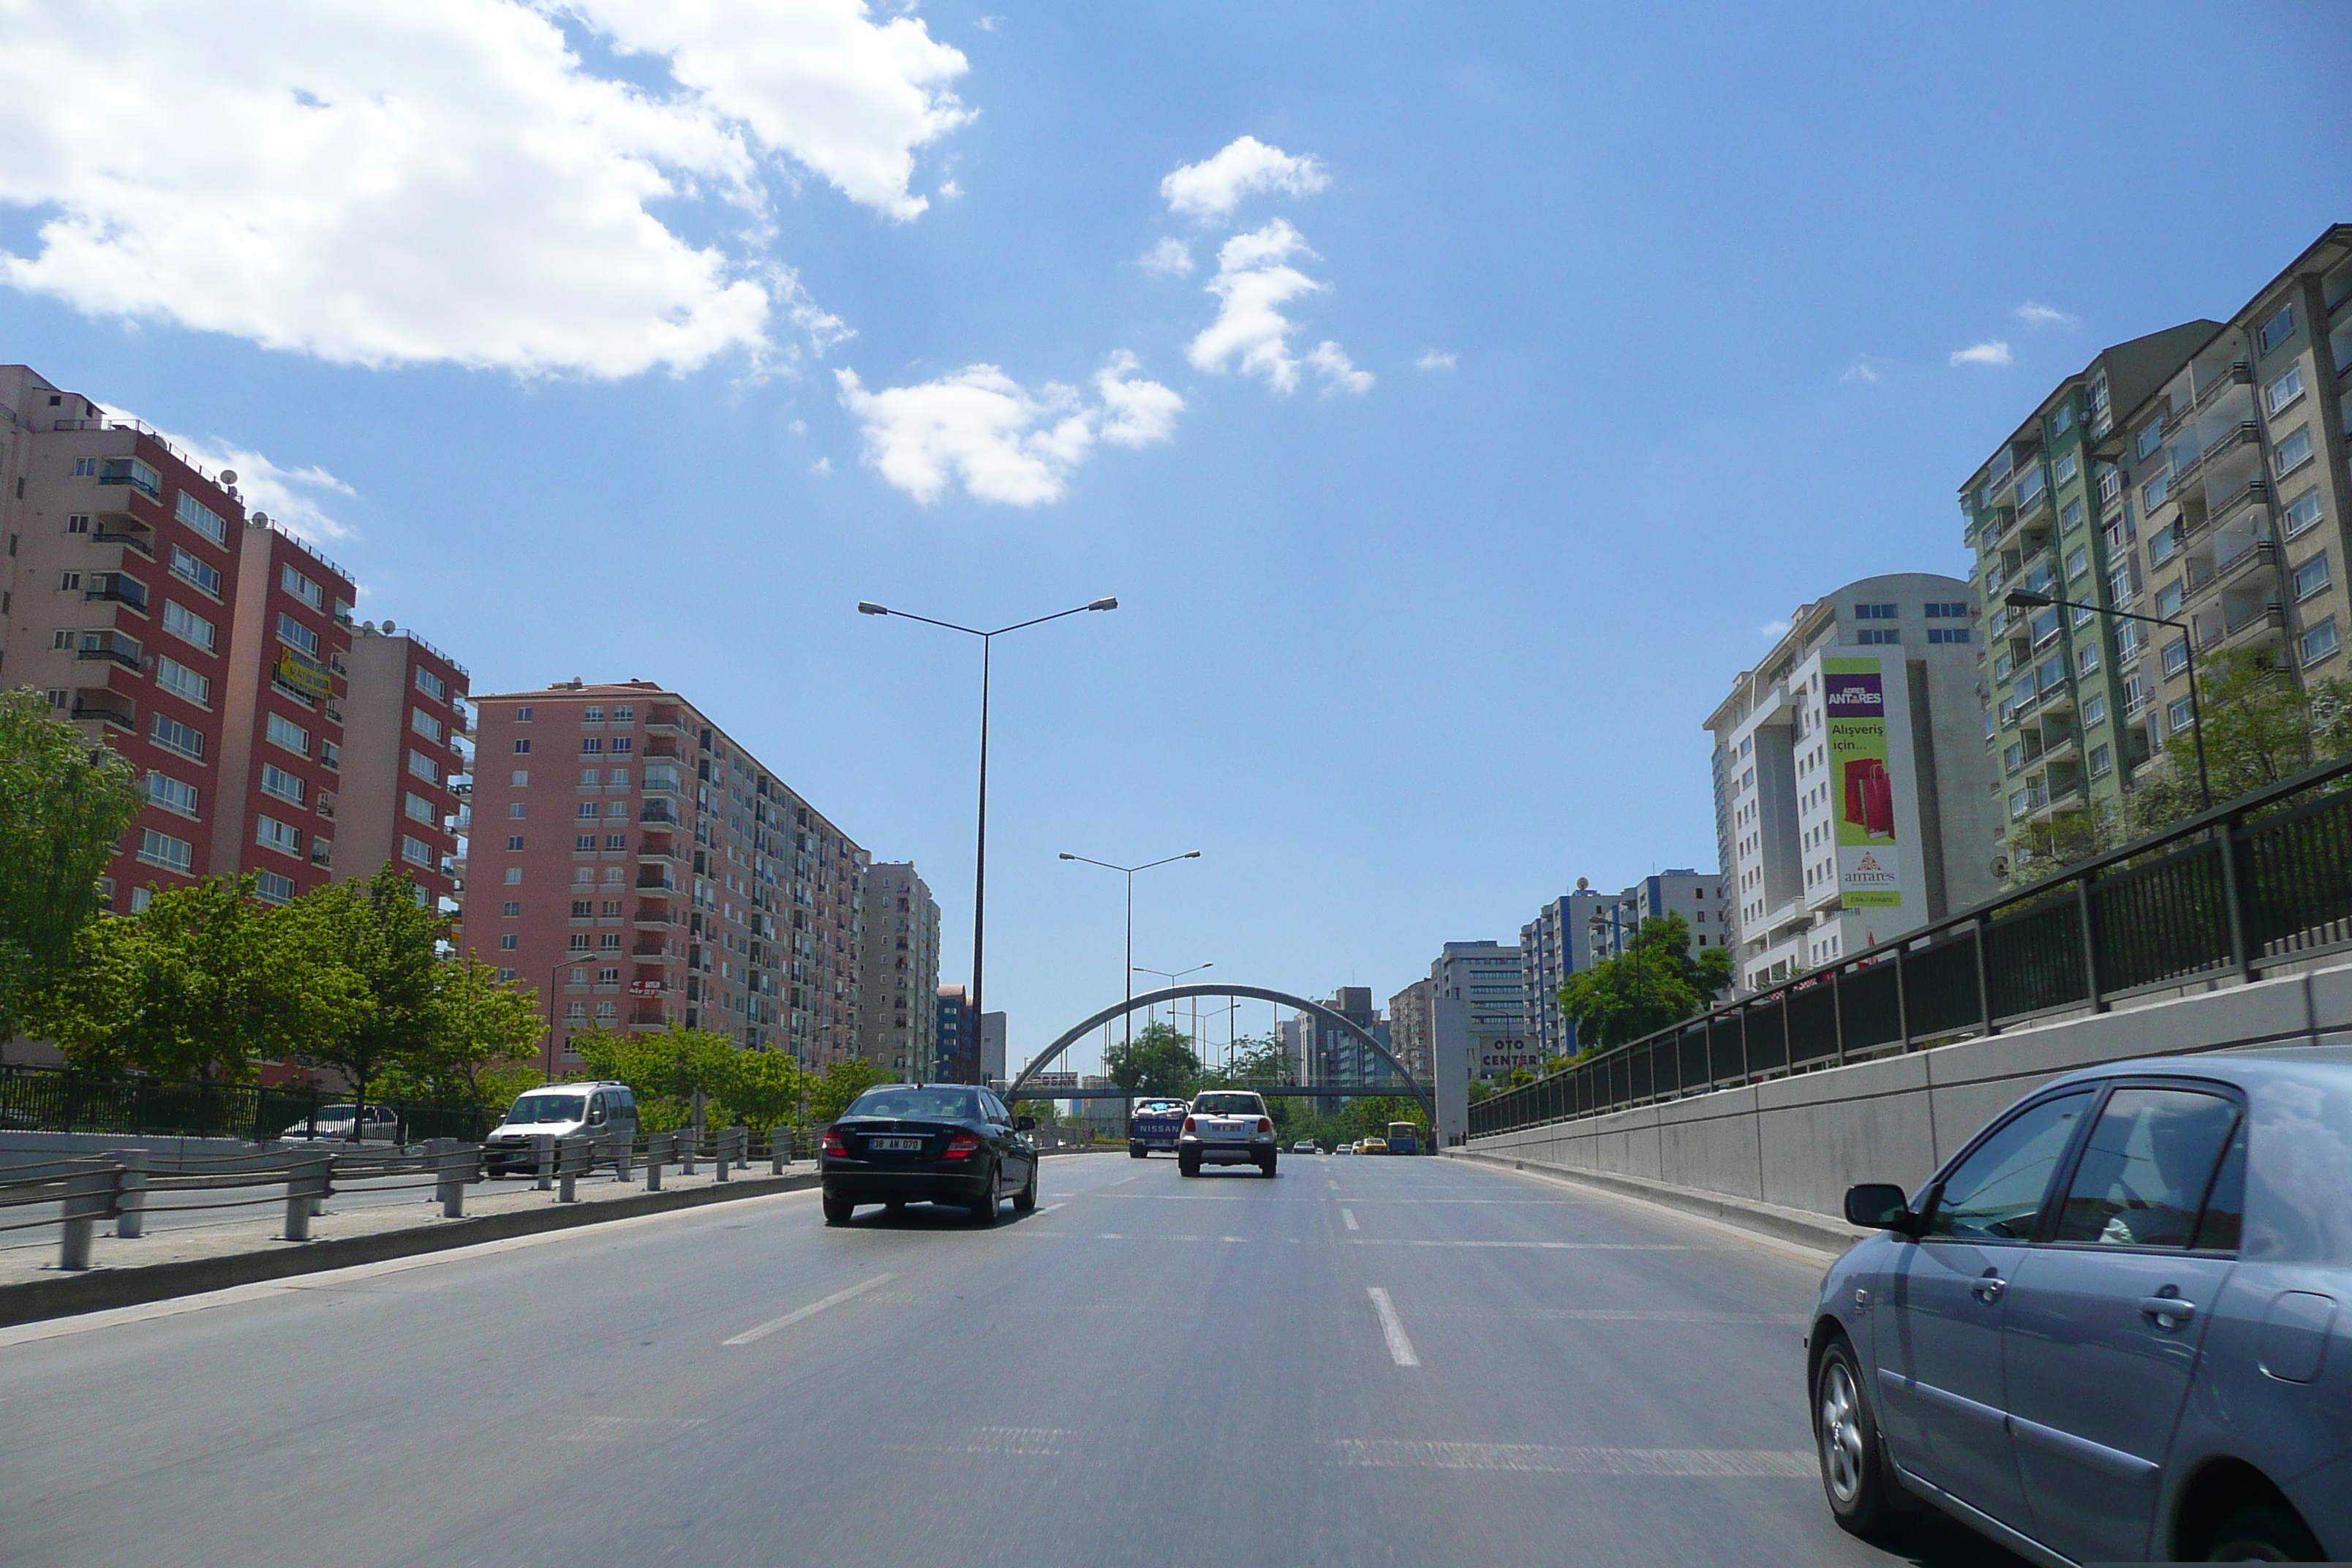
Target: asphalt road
<point>1361,1362</point>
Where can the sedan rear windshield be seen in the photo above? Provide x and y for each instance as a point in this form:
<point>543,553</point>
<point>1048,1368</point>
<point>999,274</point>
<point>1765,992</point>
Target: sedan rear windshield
<point>547,1108</point>
<point>1229,1105</point>
<point>916,1104</point>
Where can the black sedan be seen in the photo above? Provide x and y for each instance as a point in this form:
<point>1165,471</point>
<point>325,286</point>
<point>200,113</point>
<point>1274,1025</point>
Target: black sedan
<point>942,1143</point>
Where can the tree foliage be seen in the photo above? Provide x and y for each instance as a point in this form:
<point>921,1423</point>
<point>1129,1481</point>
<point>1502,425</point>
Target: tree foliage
<point>63,804</point>
<point>479,1046</point>
<point>841,1082</point>
<point>1654,983</point>
<point>663,1069</point>
<point>1160,1061</point>
<point>2260,729</point>
<point>388,935</point>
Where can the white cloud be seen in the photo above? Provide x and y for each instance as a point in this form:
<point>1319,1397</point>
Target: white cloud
<point>1255,279</point>
<point>444,179</point>
<point>1864,368</point>
<point>2034,315</point>
<point>821,467</point>
<point>988,24</point>
<point>1210,190</point>
<point>1434,359</point>
<point>294,497</point>
<point>1002,441</point>
<point>1338,371</point>
<point>950,189</point>
<point>1170,258</point>
<point>1983,353</point>
<point>1773,629</point>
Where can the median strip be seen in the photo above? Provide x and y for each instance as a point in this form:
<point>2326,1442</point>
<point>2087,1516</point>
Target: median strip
<point>811,1311</point>
<point>1400,1349</point>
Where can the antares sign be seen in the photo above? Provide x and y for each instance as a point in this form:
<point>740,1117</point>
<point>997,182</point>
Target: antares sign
<point>1854,696</point>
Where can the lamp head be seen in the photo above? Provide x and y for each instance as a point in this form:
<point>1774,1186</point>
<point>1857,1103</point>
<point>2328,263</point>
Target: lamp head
<point>1104,604</point>
<point>1067,856</point>
<point>1194,854</point>
<point>2025,599</point>
<point>867,607</point>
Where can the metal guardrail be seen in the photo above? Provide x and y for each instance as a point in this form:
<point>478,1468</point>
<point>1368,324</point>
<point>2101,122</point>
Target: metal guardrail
<point>2261,881</point>
<point>64,1100</point>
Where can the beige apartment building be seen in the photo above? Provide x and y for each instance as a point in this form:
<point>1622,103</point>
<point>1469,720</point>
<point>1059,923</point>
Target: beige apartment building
<point>897,1010</point>
<point>643,869</point>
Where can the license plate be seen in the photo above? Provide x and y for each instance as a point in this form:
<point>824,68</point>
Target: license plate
<point>895,1145</point>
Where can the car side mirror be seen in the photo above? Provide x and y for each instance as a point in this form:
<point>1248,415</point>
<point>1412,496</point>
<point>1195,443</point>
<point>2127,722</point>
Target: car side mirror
<point>1025,1124</point>
<point>1881,1206</point>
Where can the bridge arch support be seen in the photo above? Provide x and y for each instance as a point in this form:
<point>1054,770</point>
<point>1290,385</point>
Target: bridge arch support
<point>1077,1032</point>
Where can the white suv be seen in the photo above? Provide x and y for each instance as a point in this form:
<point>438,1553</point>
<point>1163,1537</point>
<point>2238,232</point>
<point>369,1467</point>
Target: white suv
<point>1226,1127</point>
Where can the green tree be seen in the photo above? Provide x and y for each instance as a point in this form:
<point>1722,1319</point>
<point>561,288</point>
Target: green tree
<point>63,804</point>
<point>1160,1061</point>
<point>2260,729</point>
<point>201,983</point>
<point>1254,1061</point>
<point>389,934</point>
<point>663,1069</point>
<point>1042,1109</point>
<point>840,1083</point>
<point>1369,1118</point>
<point>765,1089</point>
<point>480,1043</point>
<point>1654,983</point>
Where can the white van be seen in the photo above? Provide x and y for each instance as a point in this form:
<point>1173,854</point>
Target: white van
<point>557,1110</point>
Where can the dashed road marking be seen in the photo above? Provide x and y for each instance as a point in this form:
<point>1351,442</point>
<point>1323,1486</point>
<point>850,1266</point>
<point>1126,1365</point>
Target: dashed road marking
<point>1539,1245</point>
<point>1392,1328</point>
<point>1348,1217</point>
<point>1049,1208</point>
<point>811,1311</point>
<point>617,1428</point>
<point>1532,1459</point>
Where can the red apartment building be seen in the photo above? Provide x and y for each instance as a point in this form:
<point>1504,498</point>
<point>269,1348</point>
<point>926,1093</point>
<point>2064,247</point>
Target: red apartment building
<point>642,869</point>
<point>404,760</point>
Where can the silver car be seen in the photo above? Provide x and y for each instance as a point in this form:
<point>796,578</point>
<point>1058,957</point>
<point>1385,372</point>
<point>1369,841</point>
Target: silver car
<point>2111,1327</point>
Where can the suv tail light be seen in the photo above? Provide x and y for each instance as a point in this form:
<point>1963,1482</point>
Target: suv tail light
<point>1266,1124</point>
<point>963,1146</point>
<point>1189,1125</point>
<point>833,1146</point>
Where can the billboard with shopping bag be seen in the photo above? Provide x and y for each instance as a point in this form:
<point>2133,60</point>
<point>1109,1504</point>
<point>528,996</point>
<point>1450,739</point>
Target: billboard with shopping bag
<point>1854,703</point>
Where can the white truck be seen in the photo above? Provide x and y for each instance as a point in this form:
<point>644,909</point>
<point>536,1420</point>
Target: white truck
<point>1226,1127</point>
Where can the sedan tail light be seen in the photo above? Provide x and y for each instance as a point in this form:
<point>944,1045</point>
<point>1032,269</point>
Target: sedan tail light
<point>833,1146</point>
<point>1189,1125</point>
<point>963,1146</point>
<point>1266,1124</point>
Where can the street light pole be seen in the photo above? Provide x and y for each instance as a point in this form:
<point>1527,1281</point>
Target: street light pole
<point>1129,872</point>
<point>2026,599</point>
<point>551,1015</point>
<point>1172,977</point>
<point>980,854</point>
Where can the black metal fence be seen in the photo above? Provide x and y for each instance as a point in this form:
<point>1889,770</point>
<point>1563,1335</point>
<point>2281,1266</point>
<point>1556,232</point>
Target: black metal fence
<point>2265,879</point>
<point>61,1100</point>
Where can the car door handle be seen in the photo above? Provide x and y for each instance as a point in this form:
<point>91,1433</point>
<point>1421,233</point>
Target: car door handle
<point>2161,1308</point>
<point>1988,1288</point>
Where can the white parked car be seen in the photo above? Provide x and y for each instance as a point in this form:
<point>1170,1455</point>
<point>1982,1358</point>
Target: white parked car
<point>1228,1127</point>
<point>607,1111</point>
<point>380,1125</point>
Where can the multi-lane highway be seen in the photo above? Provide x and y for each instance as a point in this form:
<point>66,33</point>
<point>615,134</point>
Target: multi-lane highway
<point>1360,1362</point>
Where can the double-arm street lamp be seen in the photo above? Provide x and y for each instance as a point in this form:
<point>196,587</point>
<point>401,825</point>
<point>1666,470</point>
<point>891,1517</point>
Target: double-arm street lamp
<point>1129,872</point>
<point>1173,977</point>
<point>980,858</point>
<point>2026,599</point>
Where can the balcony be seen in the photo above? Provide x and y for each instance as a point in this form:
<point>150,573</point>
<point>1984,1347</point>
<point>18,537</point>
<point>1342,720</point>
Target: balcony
<point>656,880</point>
<point>2243,625</point>
<point>114,588</point>
<point>112,647</point>
<point>659,813</point>
<point>664,720</point>
<point>2242,434</point>
<point>657,917</point>
<point>124,529</point>
<point>2238,374</point>
<point>104,714</point>
<point>658,849</point>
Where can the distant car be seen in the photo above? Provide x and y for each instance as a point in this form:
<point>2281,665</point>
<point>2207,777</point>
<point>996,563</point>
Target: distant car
<point>1343,1148</point>
<point>1304,1146</point>
<point>2114,1326</point>
<point>942,1143</point>
<point>1156,1125</point>
<point>1371,1146</point>
<point>380,1125</point>
<point>557,1110</point>
<point>1228,1127</point>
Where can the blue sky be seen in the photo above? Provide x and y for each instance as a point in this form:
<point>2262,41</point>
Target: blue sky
<point>1402,660</point>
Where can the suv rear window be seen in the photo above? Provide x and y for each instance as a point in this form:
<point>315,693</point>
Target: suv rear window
<point>1229,1105</point>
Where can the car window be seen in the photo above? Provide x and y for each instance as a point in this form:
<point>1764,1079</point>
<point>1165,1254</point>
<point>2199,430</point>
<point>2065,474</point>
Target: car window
<point>2143,1174</point>
<point>936,1104</point>
<point>2225,1208</point>
<point>1995,1194</point>
<point>1228,1105</point>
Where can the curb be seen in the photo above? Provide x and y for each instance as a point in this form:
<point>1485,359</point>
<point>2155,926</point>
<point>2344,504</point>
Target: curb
<point>1817,1231</point>
<point>65,1295</point>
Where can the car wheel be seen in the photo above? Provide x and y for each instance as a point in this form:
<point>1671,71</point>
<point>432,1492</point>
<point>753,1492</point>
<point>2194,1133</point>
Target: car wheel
<point>1025,1200</point>
<point>1187,1167</point>
<point>2263,1533</point>
<point>983,1207</point>
<point>1269,1166</point>
<point>838,1210</point>
<point>1138,1151</point>
<point>1845,1437</point>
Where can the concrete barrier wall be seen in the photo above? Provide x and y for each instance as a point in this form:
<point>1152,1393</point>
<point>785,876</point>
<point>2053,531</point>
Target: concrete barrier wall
<point>1800,1140</point>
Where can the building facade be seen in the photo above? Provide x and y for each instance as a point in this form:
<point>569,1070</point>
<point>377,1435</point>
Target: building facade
<point>1854,798</point>
<point>1698,897</point>
<point>1487,979</point>
<point>406,770</point>
<point>633,860</point>
<point>1412,1028</point>
<point>1329,1055</point>
<point>897,1010</point>
<point>958,1039</point>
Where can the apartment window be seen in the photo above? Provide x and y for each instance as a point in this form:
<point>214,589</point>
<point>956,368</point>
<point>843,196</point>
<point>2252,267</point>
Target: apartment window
<point>2163,546</point>
<point>163,850</point>
<point>432,685</point>
<point>188,626</point>
<point>622,745</point>
<point>331,755</point>
<point>2149,439</point>
<point>587,810</point>
<point>423,767</point>
<point>609,943</point>
<point>592,745</point>
<point>2044,626</point>
<point>2103,760</point>
<point>1946,634</point>
<point>583,908</point>
<point>625,714</point>
<point>2311,576</point>
<point>294,633</point>
<point>617,779</point>
<point>505,976</point>
<point>417,807</point>
<point>171,793</point>
<point>1873,612</point>
<point>2062,421</point>
<point>2303,511</point>
<point>181,681</point>
<point>276,781</point>
<point>2176,656</point>
<point>2030,486</point>
<point>508,942</point>
<point>2013,757</point>
<point>514,840</point>
<point>2318,643</point>
<point>2178,715</point>
<point>2020,803</point>
<point>415,851</point>
<point>511,909</point>
<point>616,841</point>
<point>199,575</point>
<point>520,778</point>
<point>522,715</point>
<point>2001,665</point>
<point>2154,493</point>
<point>425,725</point>
<point>2067,467</point>
<point>1955,611</point>
<point>514,876</point>
<point>272,888</point>
<point>2275,331</point>
<point>2086,657</point>
<point>2111,485</point>
<point>284,732</point>
<point>175,736</point>
<point>2128,639</point>
<point>302,587</point>
<point>2119,585</point>
<point>198,516</point>
<point>2078,560</point>
<point>516,810</point>
<point>522,747</point>
<point>2284,390</point>
<point>1874,635</point>
<point>68,582</point>
<point>2293,452</point>
<point>272,834</point>
<point>592,715</point>
<point>2095,711</point>
<point>586,844</point>
<point>2167,600</point>
<point>2135,694</point>
<point>2069,516</point>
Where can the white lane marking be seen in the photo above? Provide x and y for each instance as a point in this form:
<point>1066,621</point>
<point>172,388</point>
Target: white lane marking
<point>1348,1216</point>
<point>1036,1442</point>
<point>1538,1459</point>
<point>1606,1315</point>
<point>615,1428</point>
<point>811,1311</point>
<point>1049,1208</point>
<point>1542,1245</point>
<point>1122,1181</point>
<point>1333,1185</point>
<point>1392,1328</point>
